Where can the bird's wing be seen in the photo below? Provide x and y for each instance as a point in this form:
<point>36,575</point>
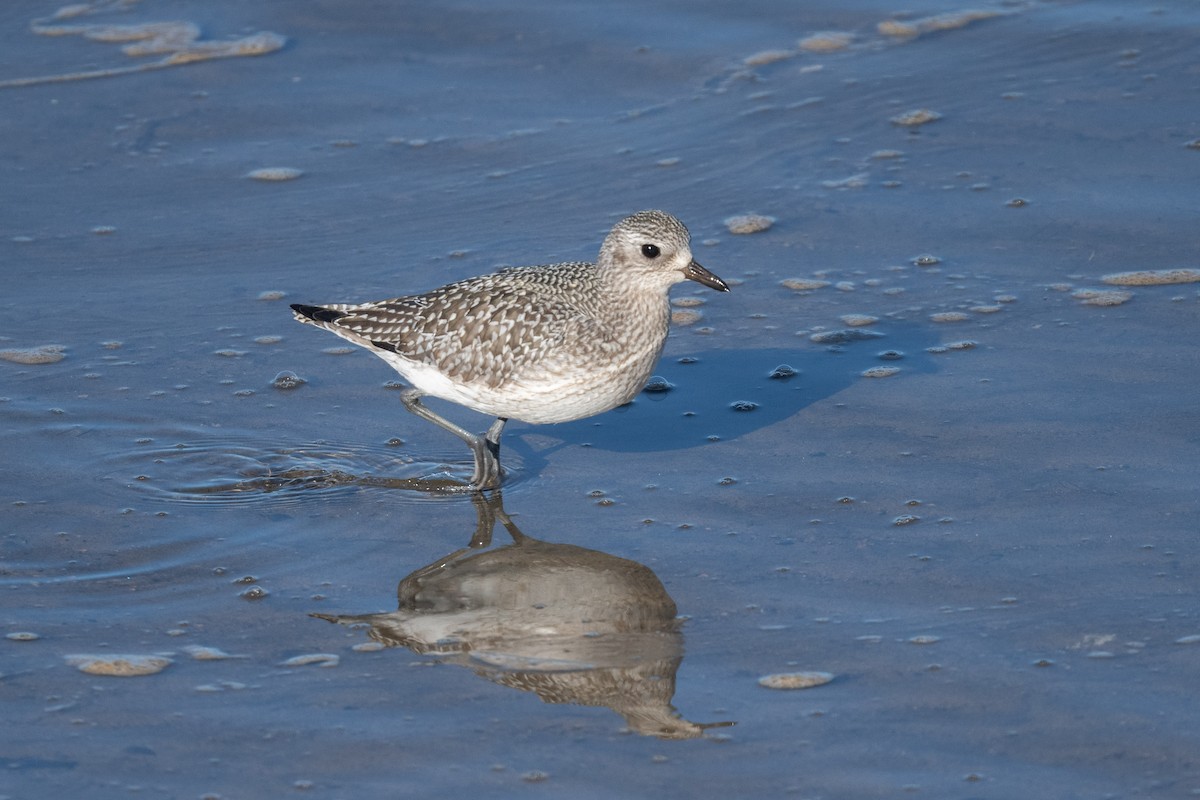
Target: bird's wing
<point>479,330</point>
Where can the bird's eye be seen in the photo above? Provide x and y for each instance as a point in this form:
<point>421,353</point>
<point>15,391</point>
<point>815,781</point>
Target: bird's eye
<point>650,250</point>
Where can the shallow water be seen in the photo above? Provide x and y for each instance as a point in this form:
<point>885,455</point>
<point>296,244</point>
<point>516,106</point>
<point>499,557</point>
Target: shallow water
<point>992,549</point>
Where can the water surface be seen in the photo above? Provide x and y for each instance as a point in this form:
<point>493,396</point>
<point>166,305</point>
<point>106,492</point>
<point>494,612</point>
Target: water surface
<point>991,549</point>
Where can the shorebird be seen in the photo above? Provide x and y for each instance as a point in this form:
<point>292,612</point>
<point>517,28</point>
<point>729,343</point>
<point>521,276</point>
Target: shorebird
<point>539,344</point>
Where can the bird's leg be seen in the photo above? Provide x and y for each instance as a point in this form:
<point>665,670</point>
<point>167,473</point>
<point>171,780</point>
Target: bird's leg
<point>493,436</point>
<point>486,451</point>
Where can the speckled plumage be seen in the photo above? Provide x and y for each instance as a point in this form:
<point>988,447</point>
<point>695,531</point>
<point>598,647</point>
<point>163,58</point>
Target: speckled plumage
<point>540,344</point>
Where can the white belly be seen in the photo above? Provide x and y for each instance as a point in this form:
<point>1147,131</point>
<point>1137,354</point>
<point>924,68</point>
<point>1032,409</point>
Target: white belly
<point>538,397</point>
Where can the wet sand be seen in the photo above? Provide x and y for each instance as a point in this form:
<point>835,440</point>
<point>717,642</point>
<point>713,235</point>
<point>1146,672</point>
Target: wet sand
<point>970,497</point>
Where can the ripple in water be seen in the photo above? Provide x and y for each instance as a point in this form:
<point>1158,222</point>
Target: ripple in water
<point>225,473</point>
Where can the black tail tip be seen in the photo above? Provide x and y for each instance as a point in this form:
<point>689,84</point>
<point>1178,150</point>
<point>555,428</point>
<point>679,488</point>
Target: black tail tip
<point>317,313</point>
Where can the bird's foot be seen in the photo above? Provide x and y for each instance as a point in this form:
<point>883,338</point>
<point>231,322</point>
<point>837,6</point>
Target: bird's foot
<point>487,472</point>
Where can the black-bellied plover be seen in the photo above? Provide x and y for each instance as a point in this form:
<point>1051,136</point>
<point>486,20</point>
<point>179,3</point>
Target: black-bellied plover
<point>538,344</point>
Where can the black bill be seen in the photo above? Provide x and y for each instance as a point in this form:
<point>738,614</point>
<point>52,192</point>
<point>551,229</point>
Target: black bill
<point>699,274</point>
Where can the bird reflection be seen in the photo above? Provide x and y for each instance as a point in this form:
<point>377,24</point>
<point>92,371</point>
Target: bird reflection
<point>569,624</point>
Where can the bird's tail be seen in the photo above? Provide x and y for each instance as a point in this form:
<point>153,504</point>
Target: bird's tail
<point>316,315</point>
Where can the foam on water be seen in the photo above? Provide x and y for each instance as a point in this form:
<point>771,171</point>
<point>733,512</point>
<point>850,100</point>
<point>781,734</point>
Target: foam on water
<point>178,43</point>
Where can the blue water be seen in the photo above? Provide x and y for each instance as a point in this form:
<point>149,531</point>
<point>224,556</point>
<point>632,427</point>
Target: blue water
<point>1030,633</point>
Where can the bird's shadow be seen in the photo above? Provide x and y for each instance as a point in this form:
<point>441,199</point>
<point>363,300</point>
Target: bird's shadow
<point>722,395</point>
